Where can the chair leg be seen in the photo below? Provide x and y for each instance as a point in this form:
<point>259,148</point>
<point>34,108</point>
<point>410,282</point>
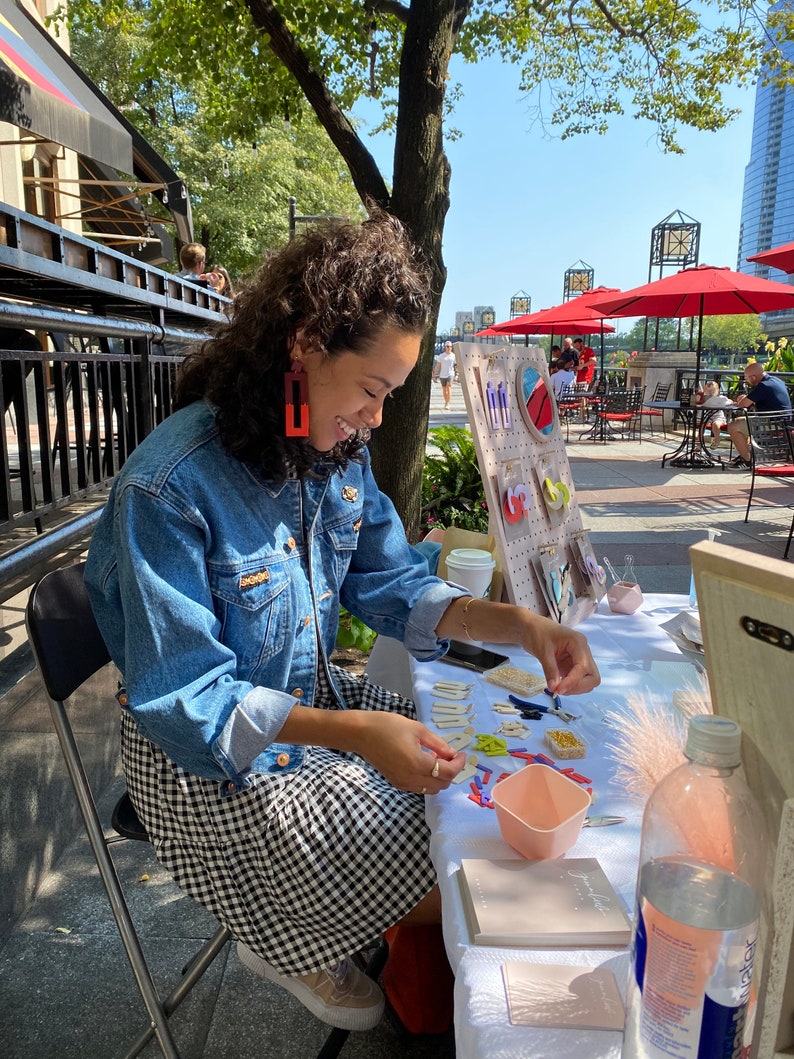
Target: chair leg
<point>110,880</point>
<point>192,972</point>
<point>750,497</point>
<point>790,535</point>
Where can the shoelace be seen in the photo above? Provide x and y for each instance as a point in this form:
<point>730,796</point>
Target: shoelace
<point>340,973</point>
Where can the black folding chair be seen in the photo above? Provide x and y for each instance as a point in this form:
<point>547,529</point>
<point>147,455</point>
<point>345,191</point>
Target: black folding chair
<point>69,649</point>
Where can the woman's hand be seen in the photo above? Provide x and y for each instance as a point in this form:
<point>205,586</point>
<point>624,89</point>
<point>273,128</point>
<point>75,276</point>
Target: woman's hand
<point>406,752</point>
<point>568,665</point>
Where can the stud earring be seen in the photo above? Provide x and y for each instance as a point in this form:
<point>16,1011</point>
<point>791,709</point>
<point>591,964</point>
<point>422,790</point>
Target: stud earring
<point>296,401</point>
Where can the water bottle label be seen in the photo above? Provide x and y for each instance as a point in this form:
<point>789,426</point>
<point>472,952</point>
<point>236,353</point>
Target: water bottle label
<point>695,987</point>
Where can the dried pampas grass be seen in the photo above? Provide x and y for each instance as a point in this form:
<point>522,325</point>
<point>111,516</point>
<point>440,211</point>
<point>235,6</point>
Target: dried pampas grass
<point>651,737</point>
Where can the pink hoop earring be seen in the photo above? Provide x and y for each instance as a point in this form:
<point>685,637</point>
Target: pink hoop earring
<point>296,401</point>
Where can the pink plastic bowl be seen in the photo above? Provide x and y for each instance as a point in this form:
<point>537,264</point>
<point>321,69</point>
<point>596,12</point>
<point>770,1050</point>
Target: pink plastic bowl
<point>540,811</point>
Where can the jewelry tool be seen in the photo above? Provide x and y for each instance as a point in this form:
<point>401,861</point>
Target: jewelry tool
<point>553,711</point>
<point>493,409</point>
<point>628,572</point>
<point>504,406</point>
<point>603,821</point>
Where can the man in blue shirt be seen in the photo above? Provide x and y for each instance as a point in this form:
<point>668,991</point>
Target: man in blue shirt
<point>766,394</point>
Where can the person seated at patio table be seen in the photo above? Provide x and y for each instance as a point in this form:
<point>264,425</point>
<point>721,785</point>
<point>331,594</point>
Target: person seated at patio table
<point>586,369</point>
<point>562,377</point>
<point>767,393</point>
<point>554,356</point>
<point>712,398</point>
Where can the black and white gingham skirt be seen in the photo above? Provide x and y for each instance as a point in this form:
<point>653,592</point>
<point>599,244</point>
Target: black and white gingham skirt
<point>305,867</point>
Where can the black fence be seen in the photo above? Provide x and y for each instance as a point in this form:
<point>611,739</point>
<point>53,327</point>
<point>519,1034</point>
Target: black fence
<point>90,341</point>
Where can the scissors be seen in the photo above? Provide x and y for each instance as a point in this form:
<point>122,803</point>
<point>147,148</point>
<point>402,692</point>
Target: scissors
<point>603,821</point>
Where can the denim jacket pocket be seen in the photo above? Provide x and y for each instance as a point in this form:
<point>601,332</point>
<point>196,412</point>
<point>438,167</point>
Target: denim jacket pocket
<point>254,607</point>
<point>343,538</point>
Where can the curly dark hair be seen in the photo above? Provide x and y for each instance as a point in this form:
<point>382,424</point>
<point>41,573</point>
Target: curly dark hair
<point>342,284</point>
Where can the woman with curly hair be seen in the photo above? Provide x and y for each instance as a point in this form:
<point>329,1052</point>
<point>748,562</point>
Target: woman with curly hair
<point>280,792</point>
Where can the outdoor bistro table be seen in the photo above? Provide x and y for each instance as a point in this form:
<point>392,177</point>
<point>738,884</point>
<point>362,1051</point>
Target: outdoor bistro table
<point>691,452</point>
<point>634,656</point>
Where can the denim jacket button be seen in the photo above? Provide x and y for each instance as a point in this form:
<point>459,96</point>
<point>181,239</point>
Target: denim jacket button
<point>282,760</point>
<point>307,621</point>
<point>297,693</point>
<point>290,542</point>
<point>230,787</point>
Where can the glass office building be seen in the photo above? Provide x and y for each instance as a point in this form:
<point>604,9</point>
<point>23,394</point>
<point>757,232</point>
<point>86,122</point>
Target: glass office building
<point>768,198</point>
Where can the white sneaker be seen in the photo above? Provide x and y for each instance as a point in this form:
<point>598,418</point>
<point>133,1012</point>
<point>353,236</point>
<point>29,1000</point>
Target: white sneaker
<point>714,443</point>
<point>340,995</point>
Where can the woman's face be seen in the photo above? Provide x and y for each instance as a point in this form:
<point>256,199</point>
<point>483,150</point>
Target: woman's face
<point>346,392</point>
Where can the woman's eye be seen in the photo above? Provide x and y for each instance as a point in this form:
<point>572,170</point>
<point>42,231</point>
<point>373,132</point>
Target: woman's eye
<point>369,393</point>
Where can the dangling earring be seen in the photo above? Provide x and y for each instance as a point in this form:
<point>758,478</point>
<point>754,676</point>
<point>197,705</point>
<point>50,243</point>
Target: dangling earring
<point>296,401</point>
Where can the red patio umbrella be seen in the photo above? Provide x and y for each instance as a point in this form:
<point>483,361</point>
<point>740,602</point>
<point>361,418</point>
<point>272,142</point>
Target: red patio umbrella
<point>781,257</point>
<point>704,290</point>
<point>536,324</point>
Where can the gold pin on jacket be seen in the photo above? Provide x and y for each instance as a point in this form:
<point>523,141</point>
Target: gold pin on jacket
<point>261,577</point>
<point>350,493</point>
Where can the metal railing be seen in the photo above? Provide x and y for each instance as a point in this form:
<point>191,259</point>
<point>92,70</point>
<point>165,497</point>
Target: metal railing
<point>685,378</point>
<point>90,342</point>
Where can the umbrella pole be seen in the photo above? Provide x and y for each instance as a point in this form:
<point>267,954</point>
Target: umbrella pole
<point>691,453</point>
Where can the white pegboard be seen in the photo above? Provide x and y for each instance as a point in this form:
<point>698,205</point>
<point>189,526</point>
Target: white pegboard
<point>515,453</point>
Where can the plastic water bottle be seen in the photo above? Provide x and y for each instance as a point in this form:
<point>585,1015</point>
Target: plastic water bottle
<point>699,894</point>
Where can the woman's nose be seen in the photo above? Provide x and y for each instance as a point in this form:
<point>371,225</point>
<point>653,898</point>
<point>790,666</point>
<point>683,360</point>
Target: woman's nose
<point>373,417</point>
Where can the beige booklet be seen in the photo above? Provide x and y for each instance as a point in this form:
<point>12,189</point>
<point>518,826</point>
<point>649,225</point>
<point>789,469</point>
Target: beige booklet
<point>568,902</point>
<point>559,995</point>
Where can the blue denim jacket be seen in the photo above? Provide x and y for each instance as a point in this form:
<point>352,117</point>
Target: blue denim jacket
<point>213,587</point>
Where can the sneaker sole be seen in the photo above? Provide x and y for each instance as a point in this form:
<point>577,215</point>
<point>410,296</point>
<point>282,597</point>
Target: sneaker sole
<point>333,1015</point>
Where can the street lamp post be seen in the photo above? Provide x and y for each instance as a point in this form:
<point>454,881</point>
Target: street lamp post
<point>675,243</point>
<point>520,304</point>
<point>487,319</point>
<point>577,279</point>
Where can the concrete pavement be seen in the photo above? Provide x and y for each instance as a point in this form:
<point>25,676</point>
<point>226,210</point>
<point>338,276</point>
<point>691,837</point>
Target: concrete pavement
<point>65,988</point>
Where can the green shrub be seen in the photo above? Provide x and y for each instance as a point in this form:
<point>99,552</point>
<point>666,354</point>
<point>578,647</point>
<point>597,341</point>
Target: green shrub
<point>452,490</point>
<point>354,633</point>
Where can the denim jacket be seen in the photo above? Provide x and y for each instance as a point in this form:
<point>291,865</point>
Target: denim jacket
<point>217,593</point>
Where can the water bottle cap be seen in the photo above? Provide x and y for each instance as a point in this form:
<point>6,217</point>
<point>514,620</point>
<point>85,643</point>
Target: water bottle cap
<point>714,741</point>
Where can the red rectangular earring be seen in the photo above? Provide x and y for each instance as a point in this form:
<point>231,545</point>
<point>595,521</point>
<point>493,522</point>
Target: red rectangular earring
<point>296,402</point>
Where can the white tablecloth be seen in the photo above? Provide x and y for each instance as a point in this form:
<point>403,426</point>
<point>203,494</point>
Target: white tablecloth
<point>633,656</point>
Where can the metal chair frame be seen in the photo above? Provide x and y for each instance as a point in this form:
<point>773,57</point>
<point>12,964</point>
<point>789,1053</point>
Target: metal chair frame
<point>69,649</point>
<point>771,448</point>
<point>661,393</point>
<point>621,413</point>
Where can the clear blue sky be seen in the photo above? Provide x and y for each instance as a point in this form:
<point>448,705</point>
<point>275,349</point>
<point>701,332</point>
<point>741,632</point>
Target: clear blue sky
<point>524,207</point>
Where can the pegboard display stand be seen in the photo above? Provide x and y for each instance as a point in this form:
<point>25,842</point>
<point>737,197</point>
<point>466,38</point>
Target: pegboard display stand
<point>514,462</point>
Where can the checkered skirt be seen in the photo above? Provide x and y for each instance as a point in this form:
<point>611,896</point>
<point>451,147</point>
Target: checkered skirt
<point>304,867</point>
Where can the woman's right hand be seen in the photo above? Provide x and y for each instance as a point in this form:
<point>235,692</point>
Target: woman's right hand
<point>405,752</point>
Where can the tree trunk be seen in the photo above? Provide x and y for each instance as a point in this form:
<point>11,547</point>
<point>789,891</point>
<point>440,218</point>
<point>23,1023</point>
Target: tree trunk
<point>420,198</point>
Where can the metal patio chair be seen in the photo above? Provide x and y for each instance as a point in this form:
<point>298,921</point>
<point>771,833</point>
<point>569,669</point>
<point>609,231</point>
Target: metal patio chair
<point>660,393</point>
<point>771,448</point>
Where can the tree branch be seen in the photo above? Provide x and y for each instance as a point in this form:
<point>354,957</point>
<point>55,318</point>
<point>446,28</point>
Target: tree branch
<point>389,7</point>
<point>366,176</point>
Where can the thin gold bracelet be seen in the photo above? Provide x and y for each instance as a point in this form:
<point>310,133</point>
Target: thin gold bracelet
<point>472,599</point>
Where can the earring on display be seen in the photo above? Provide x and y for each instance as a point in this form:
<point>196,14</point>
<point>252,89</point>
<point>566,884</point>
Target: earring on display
<point>296,401</point>
<point>556,494</point>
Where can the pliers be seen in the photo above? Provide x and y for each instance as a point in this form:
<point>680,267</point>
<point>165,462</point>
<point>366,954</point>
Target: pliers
<point>539,707</point>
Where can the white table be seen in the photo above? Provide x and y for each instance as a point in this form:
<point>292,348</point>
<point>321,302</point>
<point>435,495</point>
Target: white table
<point>634,657</point>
